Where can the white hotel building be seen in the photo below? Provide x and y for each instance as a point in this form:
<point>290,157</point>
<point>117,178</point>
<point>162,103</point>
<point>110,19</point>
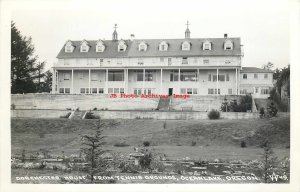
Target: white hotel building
<point>198,66</point>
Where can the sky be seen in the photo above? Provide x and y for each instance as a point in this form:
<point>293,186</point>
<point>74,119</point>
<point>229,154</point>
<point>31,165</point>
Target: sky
<point>262,25</point>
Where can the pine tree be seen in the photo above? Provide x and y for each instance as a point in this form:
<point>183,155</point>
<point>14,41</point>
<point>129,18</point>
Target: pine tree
<point>92,149</point>
<point>24,69</point>
<point>47,84</point>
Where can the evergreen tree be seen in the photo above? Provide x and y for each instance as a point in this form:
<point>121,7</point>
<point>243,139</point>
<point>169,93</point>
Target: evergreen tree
<point>24,69</point>
<point>92,149</point>
<point>47,84</point>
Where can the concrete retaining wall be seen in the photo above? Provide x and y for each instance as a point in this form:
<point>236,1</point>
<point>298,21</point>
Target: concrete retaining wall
<point>172,115</point>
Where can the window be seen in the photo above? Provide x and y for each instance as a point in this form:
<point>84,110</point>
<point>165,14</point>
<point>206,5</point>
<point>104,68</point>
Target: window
<point>227,77</point>
<point>148,75</point>
<point>188,76</point>
<point>184,60</point>
<point>255,76</point>
<point>101,90</point>
<point>142,46</point>
<point>244,91</point>
<point>115,76</point>
<point>206,45</point>
<point>140,61</point>
<point>210,91</point>
<point>122,46</point>
<point>189,91</point>
<point>80,75</point>
<point>163,46</point>
<point>162,59</point>
<point>220,77</point>
<point>205,61</point>
<point>68,48</point>
<point>228,45</point>
<point>137,91</point>
<point>265,91</point>
<point>256,89</point>
<point>185,46</point>
<point>61,90</point>
<point>169,61</point>
<point>139,75</point>
<point>266,76</point>
<point>84,48</point>
<point>100,48</point>
<point>116,90</point>
<point>209,77</point>
<point>229,91</point>
<point>244,76</point>
<point>66,76</point>
<point>94,90</point>
<point>82,90</point>
<point>121,90</point>
<point>110,90</point>
<point>174,75</point>
<point>101,62</point>
<point>87,90</point>
<point>218,91</point>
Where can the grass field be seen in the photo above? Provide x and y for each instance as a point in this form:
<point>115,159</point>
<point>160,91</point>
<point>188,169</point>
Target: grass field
<point>212,138</point>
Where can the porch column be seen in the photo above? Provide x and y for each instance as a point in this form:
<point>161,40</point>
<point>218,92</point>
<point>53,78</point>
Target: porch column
<point>54,81</point>
<point>236,81</point>
<point>72,82</point>
<point>161,76</point>
<point>198,81</point>
<point>179,80</point>
<point>143,92</point>
<point>89,80</point>
<point>217,81</point>
<point>106,79</point>
<point>125,80</point>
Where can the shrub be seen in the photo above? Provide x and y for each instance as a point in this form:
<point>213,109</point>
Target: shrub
<point>146,143</point>
<point>90,115</point>
<point>272,110</point>
<point>77,109</point>
<point>243,144</point>
<point>214,114</point>
<point>194,143</point>
<point>123,144</point>
<point>13,106</point>
<point>145,160</point>
<point>262,112</point>
<point>69,109</point>
<point>66,116</point>
<point>95,109</point>
<point>165,125</point>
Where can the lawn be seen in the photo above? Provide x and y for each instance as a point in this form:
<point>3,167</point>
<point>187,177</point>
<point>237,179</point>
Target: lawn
<point>211,138</point>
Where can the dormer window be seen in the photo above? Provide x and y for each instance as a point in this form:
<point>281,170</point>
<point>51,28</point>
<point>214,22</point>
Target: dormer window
<point>122,46</point>
<point>207,45</point>
<point>142,46</point>
<point>163,46</point>
<point>69,47</point>
<point>228,45</point>
<point>84,46</point>
<point>100,46</point>
<point>185,46</point>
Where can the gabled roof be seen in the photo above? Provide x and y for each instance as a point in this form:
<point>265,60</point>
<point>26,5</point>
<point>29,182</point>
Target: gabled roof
<point>174,48</point>
<point>255,70</point>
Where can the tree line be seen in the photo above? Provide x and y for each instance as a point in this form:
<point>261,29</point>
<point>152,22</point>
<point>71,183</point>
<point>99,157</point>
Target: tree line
<point>28,74</point>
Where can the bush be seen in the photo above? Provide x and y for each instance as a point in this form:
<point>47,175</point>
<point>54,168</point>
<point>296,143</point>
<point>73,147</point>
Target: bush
<point>13,106</point>
<point>90,115</point>
<point>77,109</point>
<point>66,116</point>
<point>69,109</point>
<point>145,161</point>
<point>243,144</point>
<point>194,143</point>
<point>165,125</point>
<point>272,110</point>
<point>95,109</point>
<point>123,144</point>
<point>214,114</point>
<point>262,112</point>
<point>146,143</point>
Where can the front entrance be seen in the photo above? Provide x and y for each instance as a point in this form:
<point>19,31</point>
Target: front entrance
<point>170,91</point>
